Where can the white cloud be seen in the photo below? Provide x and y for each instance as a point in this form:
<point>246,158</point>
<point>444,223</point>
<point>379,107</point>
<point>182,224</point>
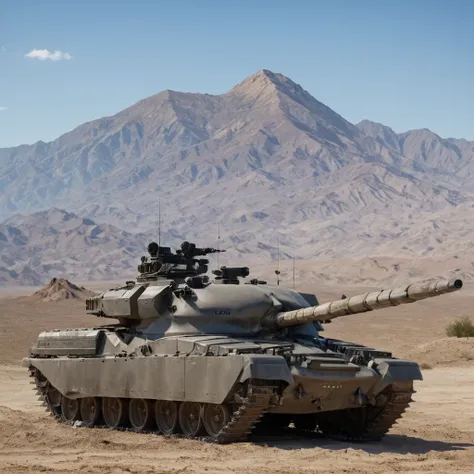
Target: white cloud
<point>44,54</point>
<point>3,108</point>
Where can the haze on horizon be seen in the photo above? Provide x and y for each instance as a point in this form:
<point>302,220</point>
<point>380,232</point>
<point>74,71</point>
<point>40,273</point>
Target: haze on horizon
<point>404,64</point>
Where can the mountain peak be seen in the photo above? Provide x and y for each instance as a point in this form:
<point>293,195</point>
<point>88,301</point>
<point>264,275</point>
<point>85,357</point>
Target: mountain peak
<point>422,133</point>
<point>369,127</point>
<point>264,78</point>
<point>255,83</point>
<point>383,134</point>
<point>275,77</point>
<point>262,73</point>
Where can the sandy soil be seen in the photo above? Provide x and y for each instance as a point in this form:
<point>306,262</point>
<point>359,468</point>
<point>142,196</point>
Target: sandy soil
<point>435,435</point>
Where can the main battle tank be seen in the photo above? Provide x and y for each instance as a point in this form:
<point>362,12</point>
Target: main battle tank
<point>217,359</point>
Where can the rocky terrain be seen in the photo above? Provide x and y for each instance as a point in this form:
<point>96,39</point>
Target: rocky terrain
<point>55,242</point>
<point>265,159</point>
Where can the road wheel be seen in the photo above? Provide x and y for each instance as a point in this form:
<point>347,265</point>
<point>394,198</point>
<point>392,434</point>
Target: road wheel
<point>140,414</point>
<point>190,419</point>
<point>114,411</point>
<point>166,416</point>
<point>90,411</point>
<point>215,417</point>
<point>70,409</point>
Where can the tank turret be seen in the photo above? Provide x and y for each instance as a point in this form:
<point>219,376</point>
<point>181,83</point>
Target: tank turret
<point>363,303</point>
<point>159,276</point>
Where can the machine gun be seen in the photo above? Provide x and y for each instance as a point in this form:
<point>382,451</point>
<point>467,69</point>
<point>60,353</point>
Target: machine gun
<point>189,250</point>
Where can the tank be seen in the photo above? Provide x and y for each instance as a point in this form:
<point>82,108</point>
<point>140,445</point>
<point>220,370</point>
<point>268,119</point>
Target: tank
<point>218,359</point>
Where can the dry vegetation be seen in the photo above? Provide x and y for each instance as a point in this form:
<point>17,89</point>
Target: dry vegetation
<point>462,327</point>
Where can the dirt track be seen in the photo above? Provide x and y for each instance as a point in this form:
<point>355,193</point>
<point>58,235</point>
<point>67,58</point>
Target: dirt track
<point>435,435</point>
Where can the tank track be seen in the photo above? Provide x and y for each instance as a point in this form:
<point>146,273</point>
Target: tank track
<point>247,416</point>
<point>375,428</point>
<point>41,393</point>
<point>243,421</point>
<point>398,401</point>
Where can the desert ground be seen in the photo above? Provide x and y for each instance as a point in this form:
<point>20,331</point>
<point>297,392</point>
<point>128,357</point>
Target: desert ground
<point>436,434</point>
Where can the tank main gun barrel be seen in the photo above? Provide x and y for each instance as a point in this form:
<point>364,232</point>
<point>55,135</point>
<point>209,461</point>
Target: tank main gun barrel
<point>363,303</point>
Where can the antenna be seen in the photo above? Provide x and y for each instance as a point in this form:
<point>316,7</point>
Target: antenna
<point>218,242</point>
<point>277,271</point>
<point>159,221</point>
<point>293,271</point>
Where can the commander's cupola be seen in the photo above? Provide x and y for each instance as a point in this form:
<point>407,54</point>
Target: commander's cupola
<point>162,264</point>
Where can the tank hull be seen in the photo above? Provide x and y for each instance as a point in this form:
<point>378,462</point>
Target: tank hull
<point>247,378</point>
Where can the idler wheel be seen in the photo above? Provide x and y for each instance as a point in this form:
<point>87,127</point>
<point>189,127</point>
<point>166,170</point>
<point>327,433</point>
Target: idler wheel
<point>40,380</point>
<point>70,409</point>
<point>114,411</point>
<point>166,416</point>
<point>140,414</point>
<point>215,417</point>
<point>190,419</point>
<point>90,411</point>
<point>53,396</point>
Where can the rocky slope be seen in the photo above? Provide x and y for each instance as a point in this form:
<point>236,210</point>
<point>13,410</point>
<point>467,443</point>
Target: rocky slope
<point>448,159</point>
<point>35,248</point>
<point>266,159</point>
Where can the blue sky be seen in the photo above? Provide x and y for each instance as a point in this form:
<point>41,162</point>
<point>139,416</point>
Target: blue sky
<point>407,64</point>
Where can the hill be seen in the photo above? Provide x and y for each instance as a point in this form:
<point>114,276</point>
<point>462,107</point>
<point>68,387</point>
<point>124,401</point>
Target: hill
<point>59,290</point>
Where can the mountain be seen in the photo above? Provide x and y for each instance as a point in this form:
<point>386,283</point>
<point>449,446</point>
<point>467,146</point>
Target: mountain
<point>24,277</point>
<point>265,159</point>
<point>56,243</point>
<point>429,152</point>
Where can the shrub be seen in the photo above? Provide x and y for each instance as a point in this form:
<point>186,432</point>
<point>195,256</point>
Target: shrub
<point>425,366</point>
<point>463,327</point>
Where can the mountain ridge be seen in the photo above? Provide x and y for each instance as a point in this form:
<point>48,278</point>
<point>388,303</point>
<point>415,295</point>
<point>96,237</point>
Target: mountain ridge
<point>265,159</point>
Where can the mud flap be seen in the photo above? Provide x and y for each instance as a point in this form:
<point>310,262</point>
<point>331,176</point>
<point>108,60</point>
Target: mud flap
<point>395,370</point>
